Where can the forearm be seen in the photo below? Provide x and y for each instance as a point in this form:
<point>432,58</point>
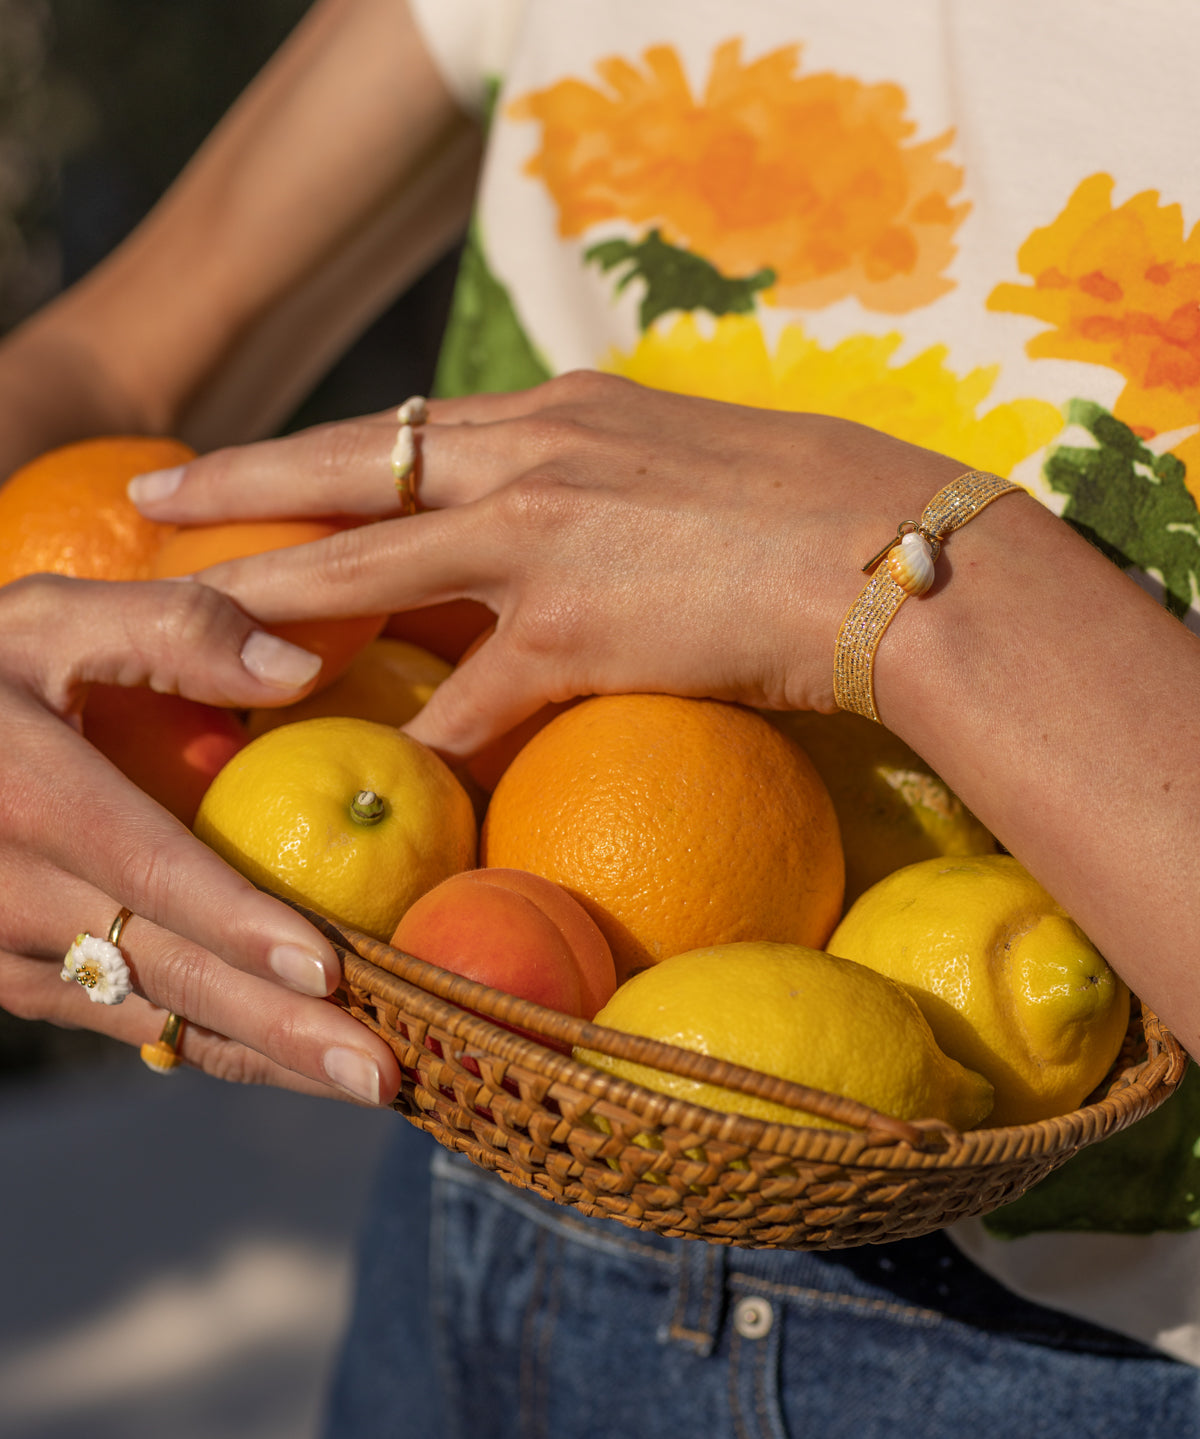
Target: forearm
<point>55,389</point>
<point>339,176</point>
<point>1060,702</point>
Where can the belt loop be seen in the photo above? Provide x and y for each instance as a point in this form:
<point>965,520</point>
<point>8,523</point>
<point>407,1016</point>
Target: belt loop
<point>699,1297</point>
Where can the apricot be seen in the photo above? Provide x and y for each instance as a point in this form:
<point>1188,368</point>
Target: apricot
<point>169,746</point>
<point>516,932</point>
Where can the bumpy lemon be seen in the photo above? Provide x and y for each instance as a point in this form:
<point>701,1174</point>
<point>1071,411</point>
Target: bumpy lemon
<point>387,681</point>
<point>799,1014</point>
<point>892,809</point>
<point>1010,985</point>
<point>351,818</point>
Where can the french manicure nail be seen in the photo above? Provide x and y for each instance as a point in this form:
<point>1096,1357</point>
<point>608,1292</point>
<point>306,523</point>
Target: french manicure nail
<point>300,969</point>
<point>155,485</point>
<point>275,662</point>
<point>352,1071</point>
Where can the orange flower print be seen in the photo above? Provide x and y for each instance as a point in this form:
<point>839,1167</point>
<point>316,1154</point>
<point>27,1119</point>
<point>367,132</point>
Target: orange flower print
<point>1120,288</point>
<point>815,178</point>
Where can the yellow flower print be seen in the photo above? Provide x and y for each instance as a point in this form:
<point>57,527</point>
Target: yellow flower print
<point>814,177</point>
<point>920,400</point>
<point>1120,288</point>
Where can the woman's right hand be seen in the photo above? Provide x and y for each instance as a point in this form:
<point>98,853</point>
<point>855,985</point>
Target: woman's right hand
<point>78,842</point>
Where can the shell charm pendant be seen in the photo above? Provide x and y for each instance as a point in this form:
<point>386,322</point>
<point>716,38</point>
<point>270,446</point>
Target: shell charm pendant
<point>910,563</point>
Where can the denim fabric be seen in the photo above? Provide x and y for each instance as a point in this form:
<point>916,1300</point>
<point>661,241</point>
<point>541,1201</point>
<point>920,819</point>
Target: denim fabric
<point>485,1313</point>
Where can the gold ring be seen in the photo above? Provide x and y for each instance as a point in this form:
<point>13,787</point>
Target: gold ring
<point>163,1055</point>
<point>118,924</point>
<point>98,964</point>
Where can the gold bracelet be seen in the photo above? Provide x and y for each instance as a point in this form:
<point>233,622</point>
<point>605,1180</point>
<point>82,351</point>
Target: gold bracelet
<point>908,571</point>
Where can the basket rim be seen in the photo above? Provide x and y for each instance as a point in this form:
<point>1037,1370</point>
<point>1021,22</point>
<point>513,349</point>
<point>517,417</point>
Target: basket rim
<point>478,1015</point>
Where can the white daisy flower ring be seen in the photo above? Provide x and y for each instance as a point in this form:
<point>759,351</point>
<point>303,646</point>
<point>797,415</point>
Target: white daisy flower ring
<point>99,966</point>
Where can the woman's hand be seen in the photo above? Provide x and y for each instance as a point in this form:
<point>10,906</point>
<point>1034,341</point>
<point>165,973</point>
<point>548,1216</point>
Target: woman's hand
<point>78,842</point>
<point>626,539</point>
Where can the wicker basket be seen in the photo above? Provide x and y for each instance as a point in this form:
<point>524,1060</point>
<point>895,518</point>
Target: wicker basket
<point>578,1136</point>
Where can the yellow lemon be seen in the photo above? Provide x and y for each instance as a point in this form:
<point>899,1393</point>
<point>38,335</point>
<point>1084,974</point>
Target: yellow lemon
<point>1010,985</point>
<point>892,808</point>
<point>387,681</point>
<point>348,817</point>
<point>799,1014</point>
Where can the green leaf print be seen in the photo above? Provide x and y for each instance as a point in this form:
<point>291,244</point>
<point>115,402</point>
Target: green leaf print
<point>1129,502</point>
<point>485,348</point>
<point>676,279</point>
<point>1145,1178</point>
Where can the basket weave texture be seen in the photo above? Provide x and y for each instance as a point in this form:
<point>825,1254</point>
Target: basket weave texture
<point>519,1106</point>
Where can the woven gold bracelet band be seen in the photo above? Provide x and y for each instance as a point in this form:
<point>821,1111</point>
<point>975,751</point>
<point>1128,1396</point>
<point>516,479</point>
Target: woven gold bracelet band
<point>908,571</point>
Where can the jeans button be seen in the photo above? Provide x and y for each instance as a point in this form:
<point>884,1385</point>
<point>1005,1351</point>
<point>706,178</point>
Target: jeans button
<point>753,1317</point>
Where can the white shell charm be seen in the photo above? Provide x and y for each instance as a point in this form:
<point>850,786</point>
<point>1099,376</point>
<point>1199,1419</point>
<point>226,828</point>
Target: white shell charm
<point>910,563</point>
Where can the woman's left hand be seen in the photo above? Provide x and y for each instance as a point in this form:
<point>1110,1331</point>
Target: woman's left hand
<point>625,538</point>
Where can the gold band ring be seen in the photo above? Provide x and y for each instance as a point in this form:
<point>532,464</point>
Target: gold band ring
<point>118,924</point>
<point>163,1055</point>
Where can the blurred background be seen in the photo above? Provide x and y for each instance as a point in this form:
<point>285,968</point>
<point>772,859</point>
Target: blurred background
<point>175,1253</point>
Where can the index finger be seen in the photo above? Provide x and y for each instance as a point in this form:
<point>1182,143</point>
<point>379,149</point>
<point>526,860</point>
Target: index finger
<point>342,468</point>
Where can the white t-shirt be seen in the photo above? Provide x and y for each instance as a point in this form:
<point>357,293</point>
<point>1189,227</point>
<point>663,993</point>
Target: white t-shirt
<point>972,226</point>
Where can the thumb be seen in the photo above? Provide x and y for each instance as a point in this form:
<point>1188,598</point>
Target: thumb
<point>61,634</point>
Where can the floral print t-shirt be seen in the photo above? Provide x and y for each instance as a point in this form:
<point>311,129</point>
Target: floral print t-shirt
<point>976,227</point>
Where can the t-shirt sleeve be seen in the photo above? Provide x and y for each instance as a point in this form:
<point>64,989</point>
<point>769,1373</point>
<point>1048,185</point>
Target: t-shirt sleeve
<point>469,41</point>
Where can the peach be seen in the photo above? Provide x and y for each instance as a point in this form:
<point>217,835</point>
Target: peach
<point>513,931</point>
<point>169,746</point>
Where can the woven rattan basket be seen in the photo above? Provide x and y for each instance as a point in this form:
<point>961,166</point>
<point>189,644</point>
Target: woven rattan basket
<point>578,1136</point>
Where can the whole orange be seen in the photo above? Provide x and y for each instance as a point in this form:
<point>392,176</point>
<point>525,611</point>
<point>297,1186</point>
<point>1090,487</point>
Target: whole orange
<point>195,547</point>
<point>66,512</point>
<point>678,823</point>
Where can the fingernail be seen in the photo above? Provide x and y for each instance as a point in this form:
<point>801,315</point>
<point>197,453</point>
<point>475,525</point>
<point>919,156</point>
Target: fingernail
<point>352,1071</point>
<point>155,485</point>
<point>275,662</point>
<point>300,969</point>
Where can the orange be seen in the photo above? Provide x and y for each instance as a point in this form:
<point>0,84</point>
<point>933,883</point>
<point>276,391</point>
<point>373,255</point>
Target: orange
<point>67,512</point>
<point>679,823</point>
<point>196,547</point>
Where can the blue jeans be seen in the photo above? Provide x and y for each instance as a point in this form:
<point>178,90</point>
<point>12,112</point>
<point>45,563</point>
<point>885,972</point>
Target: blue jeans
<point>486,1313</point>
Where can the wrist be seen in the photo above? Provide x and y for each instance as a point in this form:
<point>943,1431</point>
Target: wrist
<point>904,569</point>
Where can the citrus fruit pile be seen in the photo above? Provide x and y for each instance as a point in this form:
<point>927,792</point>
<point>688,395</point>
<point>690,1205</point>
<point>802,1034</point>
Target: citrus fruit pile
<point>798,894</point>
